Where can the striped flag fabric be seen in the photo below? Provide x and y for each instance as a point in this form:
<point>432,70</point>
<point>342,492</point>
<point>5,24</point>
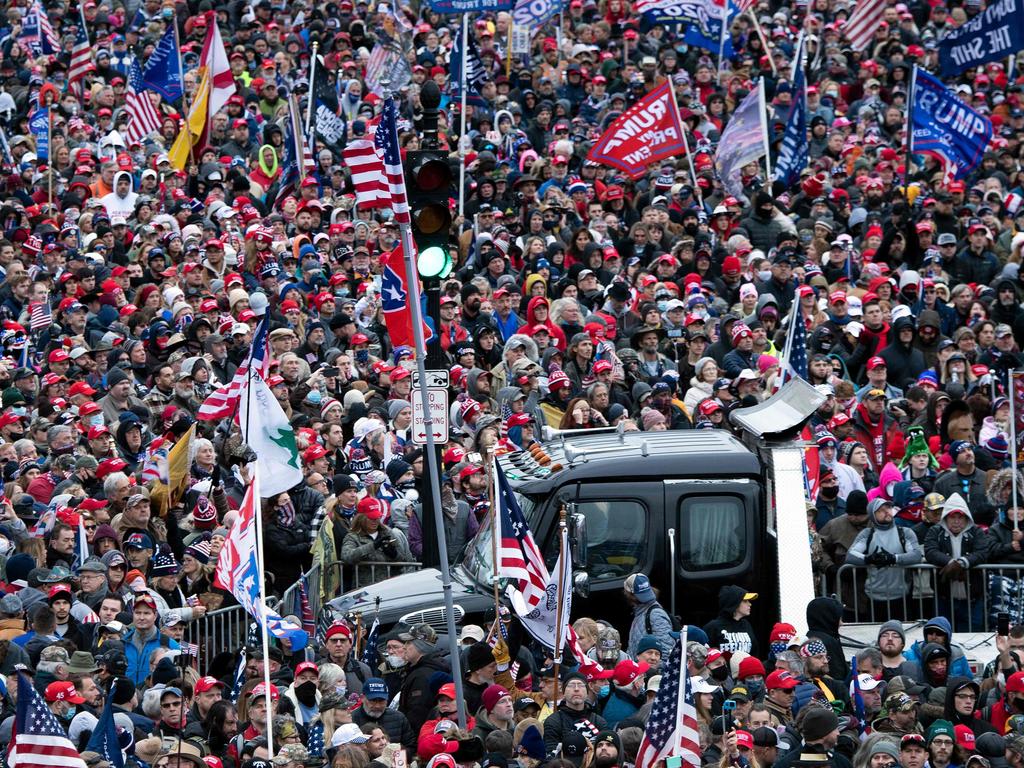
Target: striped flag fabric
<point>672,729</point>
<point>37,31</point>
<point>81,546</point>
<point>519,557</point>
<point>386,143</point>
<point>367,170</point>
<point>38,738</point>
<point>39,316</point>
<point>81,62</point>
<point>369,655</point>
<point>223,401</point>
<point>305,609</point>
<point>796,360</point>
<point>145,119</point>
<point>860,28</point>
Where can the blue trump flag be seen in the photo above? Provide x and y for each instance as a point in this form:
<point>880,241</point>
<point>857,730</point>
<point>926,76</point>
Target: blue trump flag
<point>992,35</point>
<point>163,70</point>
<point>104,737</point>
<point>469,6</point>
<point>38,122</point>
<point>535,13</point>
<point>793,152</point>
<point>944,127</point>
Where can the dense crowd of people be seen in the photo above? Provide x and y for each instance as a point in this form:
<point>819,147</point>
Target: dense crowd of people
<point>581,298</point>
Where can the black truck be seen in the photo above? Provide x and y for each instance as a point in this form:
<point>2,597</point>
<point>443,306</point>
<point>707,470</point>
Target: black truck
<point>693,509</point>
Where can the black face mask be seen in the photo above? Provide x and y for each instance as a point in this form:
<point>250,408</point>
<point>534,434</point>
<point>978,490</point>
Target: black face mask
<point>721,674</point>
<point>1017,704</point>
<point>137,282</point>
<point>306,693</point>
<point>829,493</point>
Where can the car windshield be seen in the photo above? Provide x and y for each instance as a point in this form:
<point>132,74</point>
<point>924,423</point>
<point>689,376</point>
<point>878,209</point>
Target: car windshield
<point>478,561</point>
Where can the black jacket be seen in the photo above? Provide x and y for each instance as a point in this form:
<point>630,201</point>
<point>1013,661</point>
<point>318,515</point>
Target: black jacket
<point>566,720</point>
<point>976,724</point>
<point>823,617</point>
<point>415,699</point>
<point>393,723</point>
<point>729,634</point>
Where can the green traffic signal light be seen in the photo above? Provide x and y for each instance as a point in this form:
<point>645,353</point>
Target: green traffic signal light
<point>434,261</point>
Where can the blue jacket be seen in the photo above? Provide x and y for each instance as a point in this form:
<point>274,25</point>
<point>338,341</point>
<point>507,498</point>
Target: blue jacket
<point>619,707</point>
<point>958,666</point>
<point>137,651</point>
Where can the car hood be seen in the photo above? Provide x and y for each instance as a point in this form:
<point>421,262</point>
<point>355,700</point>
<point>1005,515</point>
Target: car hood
<point>413,593</point>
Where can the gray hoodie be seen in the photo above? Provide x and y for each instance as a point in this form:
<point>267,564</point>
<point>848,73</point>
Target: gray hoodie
<point>888,582</point>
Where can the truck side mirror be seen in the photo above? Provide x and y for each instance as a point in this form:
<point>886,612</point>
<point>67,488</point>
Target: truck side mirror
<point>581,584</point>
<point>578,538</point>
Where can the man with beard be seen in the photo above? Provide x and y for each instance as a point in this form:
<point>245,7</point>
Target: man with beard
<point>374,709</point>
<point>941,740</point>
<point>185,393</point>
<point>495,713</point>
<point>892,639</point>
<point>816,668</point>
<point>607,750</point>
<point>473,320</point>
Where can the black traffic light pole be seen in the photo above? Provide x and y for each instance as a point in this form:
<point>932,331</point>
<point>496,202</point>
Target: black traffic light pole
<point>430,98</point>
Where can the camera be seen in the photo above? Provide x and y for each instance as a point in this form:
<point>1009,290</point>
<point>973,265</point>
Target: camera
<point>675,333</point>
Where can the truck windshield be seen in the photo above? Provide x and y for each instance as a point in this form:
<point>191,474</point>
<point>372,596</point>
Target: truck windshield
<point>478,562</point>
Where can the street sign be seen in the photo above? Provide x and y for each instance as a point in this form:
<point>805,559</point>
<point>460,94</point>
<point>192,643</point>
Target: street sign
<point>437,399</point>
<point>435,379</point>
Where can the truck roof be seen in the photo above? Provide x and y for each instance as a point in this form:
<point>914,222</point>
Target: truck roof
<point>610,456</point>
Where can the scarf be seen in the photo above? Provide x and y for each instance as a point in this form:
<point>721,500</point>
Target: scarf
<point>286,514</point>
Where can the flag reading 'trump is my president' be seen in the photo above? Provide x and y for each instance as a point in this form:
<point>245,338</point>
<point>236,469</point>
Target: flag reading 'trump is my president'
<point>647,132</point>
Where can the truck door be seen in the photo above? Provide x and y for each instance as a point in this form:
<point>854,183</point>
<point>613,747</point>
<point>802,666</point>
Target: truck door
<point>625,525</point>
<point>717,541</point>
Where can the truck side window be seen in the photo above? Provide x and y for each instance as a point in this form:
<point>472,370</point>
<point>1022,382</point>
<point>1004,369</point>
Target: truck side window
<point>712,532</point>
<point>616,537</point>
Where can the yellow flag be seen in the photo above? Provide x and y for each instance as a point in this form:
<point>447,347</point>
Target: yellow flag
<point>177,466</point>
<point>193,128</point>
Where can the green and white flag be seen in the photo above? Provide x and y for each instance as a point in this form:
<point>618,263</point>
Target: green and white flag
<point>267,431</point>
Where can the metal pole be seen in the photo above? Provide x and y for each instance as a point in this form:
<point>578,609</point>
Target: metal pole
<point>413,281</point>
<point>184,93</point>
<point>721,41</point>
<point>1013,445</point>
<point>49,159</point>
<point>312,93</point>
<point>462,116</point>
<point>686,146</point>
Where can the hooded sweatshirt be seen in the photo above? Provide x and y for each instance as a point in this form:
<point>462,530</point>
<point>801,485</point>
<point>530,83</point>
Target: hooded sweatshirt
<point>970,547</point>
<point>121,206</point>
<point>823,617</point>
<point>976,724</point>
<point>726,633</point>
<point>905,362</point>
<point>958,665</point>
<point>886,582</point>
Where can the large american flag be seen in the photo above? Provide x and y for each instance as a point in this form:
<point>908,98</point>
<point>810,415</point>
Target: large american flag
<point>860,28</point>
<point>519,558</point>
<point>81,54</point>
<point>223,401</point>
<point>386,142</point>
<point>144,116</point>
<point>38,738</point>
<point>672,726</point>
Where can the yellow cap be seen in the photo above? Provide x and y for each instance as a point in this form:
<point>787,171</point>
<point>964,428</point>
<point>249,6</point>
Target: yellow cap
<point>750,596</point>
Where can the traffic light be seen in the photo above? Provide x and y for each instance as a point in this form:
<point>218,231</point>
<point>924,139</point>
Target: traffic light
<point>429,182</point>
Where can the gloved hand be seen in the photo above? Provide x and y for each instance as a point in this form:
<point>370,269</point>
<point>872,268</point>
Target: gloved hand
<point>379,542</point>
<point>952,571</point>
<point>887,558</point>
<point>501,655</point>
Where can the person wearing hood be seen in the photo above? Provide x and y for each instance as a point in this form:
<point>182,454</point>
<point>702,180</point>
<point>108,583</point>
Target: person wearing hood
<point>962,696</point>
<point>966,480</point>
<point>940,632</point>
<point>929,335</point>
<point>732,631</point>
<point>121,202</point>
<point>824,616</point>
<point>955,546</point>
<point>904,361</point>
<point>885,548</point>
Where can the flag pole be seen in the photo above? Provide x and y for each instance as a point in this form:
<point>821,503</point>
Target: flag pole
<point>762,111</point>
<point>312,92</point>
<point>508,54</point>
<point>49,158</point>
<point>1013,445</point>
<point>686,146</point>
<point>558,610</point>
<point>787,349</point>
<point>909,132</point>
<point>299,148</point>
<point>462,116</point>
<point>264,634</point>
<point>721,40</point>
<point>495,532</point>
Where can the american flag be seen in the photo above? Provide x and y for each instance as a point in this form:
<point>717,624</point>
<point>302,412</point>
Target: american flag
<point>144,116</point>
<point>367,171</point>
<point>39,316</point>
<point>38,738</point>
<point>672,725</point>
<point>519,558</point>
<point>223,401</point>
<point>386,142</point>
<point>47,41</point>
<point>796,358</point>
<point>860,28</point>
<point>369,656</point>
<point>81,54</point>
<point>239,680</point>
<point>81,546</point>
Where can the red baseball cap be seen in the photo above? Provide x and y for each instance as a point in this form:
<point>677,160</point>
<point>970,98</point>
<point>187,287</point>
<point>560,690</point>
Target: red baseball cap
<point>81,388</point>
<point>313,453</point>
<point>307,666</point>
<point>627,670</point>
<point>876,362</point>
<point>58,356</point>
<point>602,365</point>
<point>208,683</point>
<point>780,679</point>
<point>63,690</point>
<point>375,509</point>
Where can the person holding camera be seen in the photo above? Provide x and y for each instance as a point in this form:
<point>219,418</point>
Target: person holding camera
<point>370,541</point>
<point>886,549</point>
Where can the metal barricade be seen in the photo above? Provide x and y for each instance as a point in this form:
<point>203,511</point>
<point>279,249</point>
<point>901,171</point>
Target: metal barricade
<point>346,577</point>
<point>291,599</point>
<point>218,631</point>
<point>989,588</point>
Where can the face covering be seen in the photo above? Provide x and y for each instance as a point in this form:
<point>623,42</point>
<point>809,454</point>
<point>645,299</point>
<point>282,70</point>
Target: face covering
<point>395,662</point>
<point>720,674</point>
<point>70,713</point>
<point>604,691</point>
<point>755,689</point>
<point>829,493</point>
<point>306,693</point>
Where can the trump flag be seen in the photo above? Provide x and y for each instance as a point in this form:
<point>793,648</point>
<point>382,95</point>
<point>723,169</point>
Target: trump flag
<point>649,131</point>
<point>944,127</point>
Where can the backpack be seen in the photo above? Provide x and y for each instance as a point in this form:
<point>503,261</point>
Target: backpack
<point>677,625</point>
<point>901,532</point>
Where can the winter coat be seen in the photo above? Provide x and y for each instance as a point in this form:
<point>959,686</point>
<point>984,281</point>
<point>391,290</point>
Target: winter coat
<point>415,698</point>
<point>888,582</point>
<point>565,720</point>
<point>1001,542</point>
<point>363,548</point>
<point>651,619</point>
<point>823,617</point>
<point>951,481</point>
<point>958,665</point>
<point>976,724</point>
<point>393,723</point>
<point>970,548</point>
<point>904,362</point>
<point>138,648</point>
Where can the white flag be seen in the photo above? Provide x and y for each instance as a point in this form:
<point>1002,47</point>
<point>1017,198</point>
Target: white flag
<point>742,141</point>
<point>542,621</point>
<point>267,431</point>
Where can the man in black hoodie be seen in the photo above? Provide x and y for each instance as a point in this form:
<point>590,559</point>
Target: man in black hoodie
<point>824,615</point>
<point>961,702</point>
<point>731,631</point>
<point>903,361</point>
<point>424,659</point>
